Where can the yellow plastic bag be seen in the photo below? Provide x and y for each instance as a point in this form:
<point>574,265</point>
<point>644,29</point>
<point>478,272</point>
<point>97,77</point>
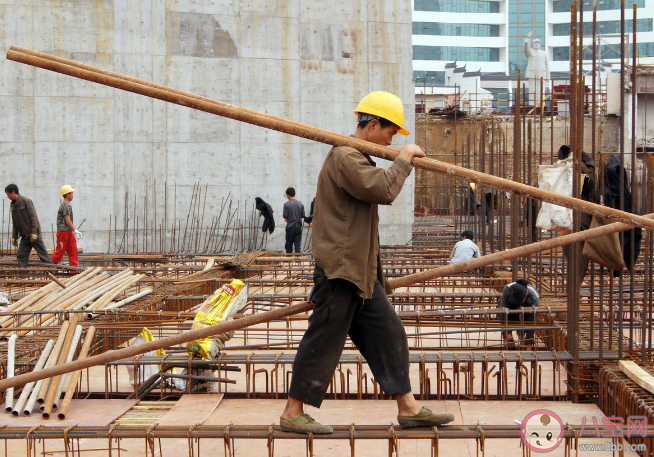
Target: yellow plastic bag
<point>216,309</point>
<point>145,371</point>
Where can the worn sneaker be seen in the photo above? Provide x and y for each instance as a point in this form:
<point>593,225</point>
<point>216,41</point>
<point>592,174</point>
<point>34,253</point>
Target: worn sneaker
<point>425,418</point>
<point>304,424</point>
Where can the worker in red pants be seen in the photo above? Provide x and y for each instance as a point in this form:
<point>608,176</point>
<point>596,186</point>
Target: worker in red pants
<point>67,234</point>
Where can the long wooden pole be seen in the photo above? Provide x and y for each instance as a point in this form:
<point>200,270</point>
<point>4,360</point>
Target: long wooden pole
<point>304,131</point>
<point>163,343</point>
<point>52,362</point>
<point>509,254</point>
<point>72,385</point>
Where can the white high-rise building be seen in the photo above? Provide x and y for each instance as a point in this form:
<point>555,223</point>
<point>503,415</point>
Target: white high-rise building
<point>489,36</point>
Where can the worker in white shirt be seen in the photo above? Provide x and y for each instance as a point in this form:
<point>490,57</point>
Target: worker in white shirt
<point>465,249</point>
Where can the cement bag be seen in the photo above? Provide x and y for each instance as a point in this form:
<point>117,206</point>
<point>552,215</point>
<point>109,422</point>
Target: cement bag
<point>145,371</point>
<point>555,178</point>
<point>218,308</point>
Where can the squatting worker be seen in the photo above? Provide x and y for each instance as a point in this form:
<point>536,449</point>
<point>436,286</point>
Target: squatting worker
<point>26,227</point>
<point>517,295</point>
<point>465,249</point>
<point>67,234</point>
<point>349,292</point>
<point>293,215</point>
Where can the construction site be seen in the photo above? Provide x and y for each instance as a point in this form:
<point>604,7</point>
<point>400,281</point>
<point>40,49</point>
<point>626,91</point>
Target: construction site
<point>169,118</point>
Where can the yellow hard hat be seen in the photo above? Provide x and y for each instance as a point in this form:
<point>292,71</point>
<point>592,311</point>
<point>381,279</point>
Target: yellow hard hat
<point>66,189</point>
<point>386,105</point>
<point>473,186</point>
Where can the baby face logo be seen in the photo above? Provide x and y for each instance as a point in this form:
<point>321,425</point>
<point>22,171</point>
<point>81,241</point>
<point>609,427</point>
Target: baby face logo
<point>542,431</point>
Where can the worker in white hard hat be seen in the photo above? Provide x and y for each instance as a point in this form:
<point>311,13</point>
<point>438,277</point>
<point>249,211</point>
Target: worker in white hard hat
<point>67,234</point>
<point>349,294</point>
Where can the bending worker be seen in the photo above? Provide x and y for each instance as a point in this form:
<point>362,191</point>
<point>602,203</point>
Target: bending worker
<point>517,295</point>
<point>26,226</point>
<point>67,234</point>
<point>349,292</point>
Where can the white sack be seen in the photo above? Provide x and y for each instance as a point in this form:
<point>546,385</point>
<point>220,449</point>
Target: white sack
<point>555,178</point>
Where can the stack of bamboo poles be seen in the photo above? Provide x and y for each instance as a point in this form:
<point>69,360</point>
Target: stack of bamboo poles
<point>93,290</point>
<point>47,392</point>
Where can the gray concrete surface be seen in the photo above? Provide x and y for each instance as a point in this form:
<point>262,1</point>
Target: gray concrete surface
<point>305,60</point>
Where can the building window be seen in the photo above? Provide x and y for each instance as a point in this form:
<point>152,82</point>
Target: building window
<point>524,15</point>
<point>457,6</point>
<point>429,78</point>
<point>606,52</point>
<point>644,25</point>
<point>456,53</point>
<point>563,6</point>
<point>437,28</point>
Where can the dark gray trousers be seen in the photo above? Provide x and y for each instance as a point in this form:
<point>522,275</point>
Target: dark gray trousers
<point>25,248</point>
<point>293,239</point>
<point>373,326</point>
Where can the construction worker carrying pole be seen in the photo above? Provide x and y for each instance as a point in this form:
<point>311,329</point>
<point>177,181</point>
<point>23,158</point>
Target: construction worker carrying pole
<point>111,79</point>
<point>67,234</point>
<point>349,291</point>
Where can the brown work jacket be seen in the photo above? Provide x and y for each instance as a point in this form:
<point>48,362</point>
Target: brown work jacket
<point>345,239</point>
<point>29,223</point>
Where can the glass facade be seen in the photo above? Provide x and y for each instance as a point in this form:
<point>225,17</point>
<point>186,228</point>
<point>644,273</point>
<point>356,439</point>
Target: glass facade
<point>456,53</point>
<point>524,15</point>
<point>644,25</point>
<point>606,52</point>
<point>457,6</point>
<point>437,28</point>
<point>563,6</point>
<point>429,78</point>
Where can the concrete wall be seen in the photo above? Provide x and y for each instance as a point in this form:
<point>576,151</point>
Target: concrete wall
<point>305,60</point>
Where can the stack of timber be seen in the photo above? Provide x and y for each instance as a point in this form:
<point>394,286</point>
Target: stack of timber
<point>88,293</point>
<point>47,392</point>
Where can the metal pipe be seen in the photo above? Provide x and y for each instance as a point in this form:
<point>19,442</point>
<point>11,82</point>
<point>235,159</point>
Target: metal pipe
<point>27,390</point>
<point>11,359</point>
<point>324,136</point>
<point>37,387</point>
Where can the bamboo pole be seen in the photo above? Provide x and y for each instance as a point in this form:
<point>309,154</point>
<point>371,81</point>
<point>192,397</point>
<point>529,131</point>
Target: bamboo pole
<point>63,354</point>
<point>121,303</point>
<point>113,293</point>
<point>37,388</point>
<point>509,254</point>
<point>25,302</point>
<point>27,390</point>
<point>163,343</point>
<point>64,378</point>
<point>52,362</point>
<point>72,384</point>
<point>92,74</point>
<point>59,283</point>
<point>61,303</point>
